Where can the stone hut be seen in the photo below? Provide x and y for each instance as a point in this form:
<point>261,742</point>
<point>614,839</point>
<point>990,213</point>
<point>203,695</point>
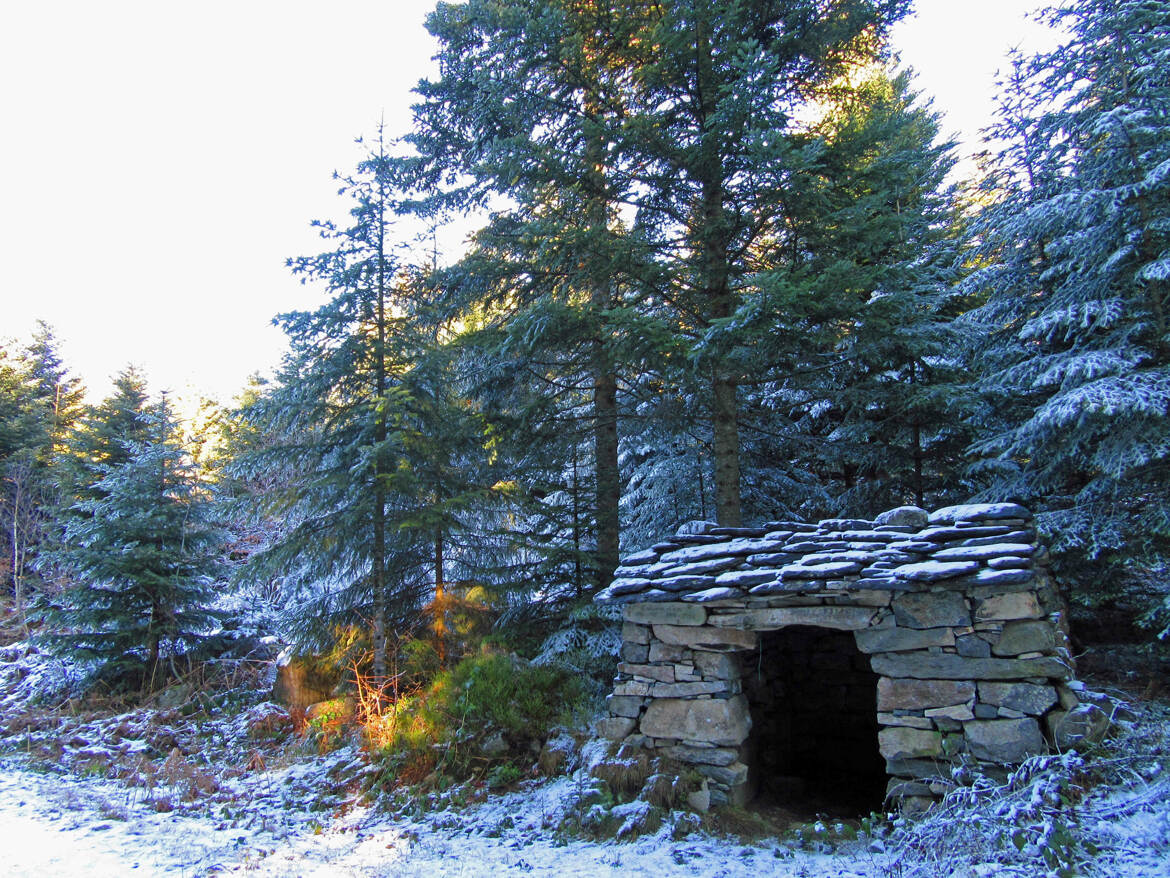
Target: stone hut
<point>872,656</point>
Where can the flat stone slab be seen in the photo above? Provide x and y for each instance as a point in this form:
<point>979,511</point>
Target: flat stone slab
<point>685,583</point>
<point>1017,605</point>
<point>901,639</point>
<point>720,593</point>
<point>1005,741</point>
<point>947,666</point>
<point>978,511</point>
<point>901,742</point>
<point>984,553</point>
<point>665,614</point>
<point>934,571</point>
<point>931,609</point>
<point>700,568</point>
<point>745,578</point>
<point>771,619</point>
<point>828,570</point>
<point>922,694</point>
<point>1025,636</point>
<point>724,722</point>
<point>706,637</point>
<point>1024,697</point>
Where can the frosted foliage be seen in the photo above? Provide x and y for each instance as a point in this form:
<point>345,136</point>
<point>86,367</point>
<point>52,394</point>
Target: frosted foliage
<point>1077,276</point>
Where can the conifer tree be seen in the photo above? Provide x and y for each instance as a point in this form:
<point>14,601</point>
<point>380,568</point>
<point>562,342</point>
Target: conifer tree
<point>141,553</point>
<point>1077,277</point>
<point>365,437</point>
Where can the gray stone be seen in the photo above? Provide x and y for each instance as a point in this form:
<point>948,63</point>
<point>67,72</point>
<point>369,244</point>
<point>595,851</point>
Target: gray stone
<point>685,583</point>
<point>839,618</point>
<point>772,560</point>
<point>700,568</point>
<point>985,553</point>
<point>900,742</point>
<point>1025,697</point>
<point>635,652</point>
<point>986,711</point>
<point>1016,605</point>
<point>922,694</point>
<point>919,769</point>
<point>717,665</point>
<point>665,614</point>
<point>632,687</point>
<point>615,728</point>
<point>632,633</point>
<point>624,705</point>
<point>979,512</point>
<point>951,534</point>
<point>1003,577</point>
<point>971,646</point>
<point>912,546</point>
<point>1084,724</point>
<point>701,755</point>
<point>904,516</point>
<point>935,571</point>
<point>1009,563</point>
<point>706,637</point>
<point>897,788</point>
<point>710,595</point>
<point>686,690</point>
<point>946,666</point>
<point>658,673</point>
<point>826,570</point>
<point>957,712</point>
<point>1025,636</point>
<point>647,556</point>
<point>744,578</point>
<point>913,722</point>
<point>723,722</point>
<point>931,610</point>
<point>900,639</point>
<point>662,652</point>
<point>733,775</point>
<point>1006,741</point>
<point>628,585</point>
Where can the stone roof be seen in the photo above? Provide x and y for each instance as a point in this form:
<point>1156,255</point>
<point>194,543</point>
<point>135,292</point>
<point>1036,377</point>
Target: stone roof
<point>704,562</point>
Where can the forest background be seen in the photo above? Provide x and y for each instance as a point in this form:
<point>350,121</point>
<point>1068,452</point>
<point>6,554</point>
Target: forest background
<point>725,272</point>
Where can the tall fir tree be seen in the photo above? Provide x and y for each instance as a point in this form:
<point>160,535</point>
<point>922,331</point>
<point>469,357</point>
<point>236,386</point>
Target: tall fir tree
<point>1076,253</point>
<point>141,553</point>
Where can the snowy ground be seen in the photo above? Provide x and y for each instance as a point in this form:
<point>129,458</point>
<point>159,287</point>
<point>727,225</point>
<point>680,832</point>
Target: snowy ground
<point>58,825</point>
<point>228,789</point>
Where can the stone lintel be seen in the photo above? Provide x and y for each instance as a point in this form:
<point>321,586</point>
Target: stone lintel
<point>821,616</point>
<point>706,637</point>
<point>665,614</point>
<point>947,666</point>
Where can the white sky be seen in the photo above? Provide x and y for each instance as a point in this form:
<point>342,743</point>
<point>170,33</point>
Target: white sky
<point>160,161</point>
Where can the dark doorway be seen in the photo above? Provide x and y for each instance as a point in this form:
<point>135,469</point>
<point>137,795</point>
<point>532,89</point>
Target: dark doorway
<point>813,747</point>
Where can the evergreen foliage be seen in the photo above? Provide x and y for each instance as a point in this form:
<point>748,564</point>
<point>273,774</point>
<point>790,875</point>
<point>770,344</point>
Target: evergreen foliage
<point>1076,253</point>
<point>141,553</point>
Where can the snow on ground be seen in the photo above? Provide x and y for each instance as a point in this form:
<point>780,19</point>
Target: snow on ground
<point>60,825</point>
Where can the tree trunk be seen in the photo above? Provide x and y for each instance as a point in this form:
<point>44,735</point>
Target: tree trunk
<point>605,414</point>
<point>725,426</point>
<point>605,444</point>
<point>440,624</point>
<point>378,561</point>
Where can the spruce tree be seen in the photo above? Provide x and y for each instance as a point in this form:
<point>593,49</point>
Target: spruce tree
<point>1076,246</point>
<point>141,554</point>
<point>367,439</point>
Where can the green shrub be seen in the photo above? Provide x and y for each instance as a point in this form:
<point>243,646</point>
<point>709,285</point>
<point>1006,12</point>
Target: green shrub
<point>443,727</point>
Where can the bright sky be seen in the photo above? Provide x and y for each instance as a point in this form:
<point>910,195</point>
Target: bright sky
<point>160,161</point>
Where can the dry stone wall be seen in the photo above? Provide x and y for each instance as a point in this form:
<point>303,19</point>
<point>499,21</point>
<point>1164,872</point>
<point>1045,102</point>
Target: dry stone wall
<point>954,609</point>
